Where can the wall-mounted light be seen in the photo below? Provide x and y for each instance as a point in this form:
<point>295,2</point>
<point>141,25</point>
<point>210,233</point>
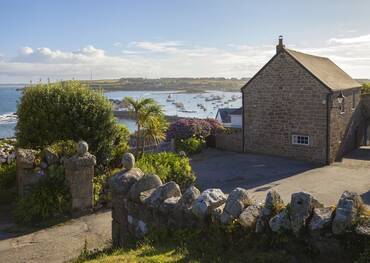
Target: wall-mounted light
<point>341,98</point>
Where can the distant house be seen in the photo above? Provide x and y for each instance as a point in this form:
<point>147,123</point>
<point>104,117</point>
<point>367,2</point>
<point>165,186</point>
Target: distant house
<point>230,117</point>
<point>301,106</point>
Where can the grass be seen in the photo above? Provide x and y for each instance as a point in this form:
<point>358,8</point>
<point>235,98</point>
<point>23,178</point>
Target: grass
<point>227,244</point>
<point>144,253</point>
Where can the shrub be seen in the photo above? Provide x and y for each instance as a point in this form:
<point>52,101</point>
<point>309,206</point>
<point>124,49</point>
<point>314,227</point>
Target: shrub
<point>169,167</point>
<point>186,128</point>
<point>48,199</point>
<point>63,148</point>
<point>67,111</point>
<point>365,89</point>
<point>7,175</point>
<point>100,183</point>
<point>121,146</point>
<point>190,146</point>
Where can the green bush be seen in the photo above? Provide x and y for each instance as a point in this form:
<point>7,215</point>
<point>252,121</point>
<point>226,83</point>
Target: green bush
<point>48,199</point>
<point>7,175</point>
<point>100,183</point>
<point>121,146</point>
<point>67,111</point>
<point>169,167</point>
<point>190,146</point>
<point>365,89</point>
<point>63,148</point>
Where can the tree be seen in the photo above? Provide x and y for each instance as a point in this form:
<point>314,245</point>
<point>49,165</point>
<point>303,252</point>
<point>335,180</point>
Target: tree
<point>150,121</point>
<point>68,111</point>
<point>365,88</point>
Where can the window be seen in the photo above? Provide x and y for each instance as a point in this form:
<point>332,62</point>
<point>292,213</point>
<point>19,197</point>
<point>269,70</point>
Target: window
<point>301,139</point>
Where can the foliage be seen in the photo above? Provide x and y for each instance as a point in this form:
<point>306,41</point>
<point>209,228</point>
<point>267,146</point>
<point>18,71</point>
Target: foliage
<point>48,199</point>
<point>121,146</point>
<point>365,89</point>
<point>169,167</point>
<point>190,146</point>
<point>66,111</point>
<point>100,184</point>
<point>7,175</point>
<point>215,125</point>
<point>62,148</point>
<point>186,128</point>
<point>150,121</point>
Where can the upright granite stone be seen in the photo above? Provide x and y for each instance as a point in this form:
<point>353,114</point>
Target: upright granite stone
<point>273,203</point>
<point>120,185</point>
<point>280,222</point>
<point>301,207</point>
<point>346,213</point>
<point>145,183</point>
<point>190,195</point>
<point>25,173</point>
<point>79,173</point>
<point>237,200</point>
<point>208,200</point>
<point>321,218</point>
<point>163,192</point>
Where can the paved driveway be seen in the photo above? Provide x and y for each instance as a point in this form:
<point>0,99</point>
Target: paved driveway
<point>260,173</point>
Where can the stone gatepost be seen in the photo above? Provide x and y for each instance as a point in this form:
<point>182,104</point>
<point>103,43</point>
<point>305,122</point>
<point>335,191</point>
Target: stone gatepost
<point>25,172</point>
<point>120,185</point>
<point>79,173</point>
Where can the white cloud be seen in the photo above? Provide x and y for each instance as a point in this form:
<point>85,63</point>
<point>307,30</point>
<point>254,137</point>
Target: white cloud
<point>351,40</point>
<point>25,50</point>
<point>165,47</point>
<point>171,59</point>
<point>117,44</point>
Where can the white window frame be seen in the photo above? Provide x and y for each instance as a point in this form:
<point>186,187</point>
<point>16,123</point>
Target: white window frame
<point>298,139</point>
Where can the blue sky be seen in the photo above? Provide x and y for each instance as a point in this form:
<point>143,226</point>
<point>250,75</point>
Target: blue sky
<point>230,38</point>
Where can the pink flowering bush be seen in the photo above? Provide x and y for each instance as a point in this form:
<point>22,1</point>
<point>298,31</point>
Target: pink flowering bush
<point>187,128</point>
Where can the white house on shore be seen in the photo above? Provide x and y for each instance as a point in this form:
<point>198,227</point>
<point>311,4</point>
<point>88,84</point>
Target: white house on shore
<point>230,117</point>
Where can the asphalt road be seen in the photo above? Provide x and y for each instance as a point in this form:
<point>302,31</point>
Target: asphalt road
<point>260,173</point>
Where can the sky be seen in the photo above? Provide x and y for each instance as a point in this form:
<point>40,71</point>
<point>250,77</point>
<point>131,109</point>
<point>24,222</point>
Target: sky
<point>67,39</point>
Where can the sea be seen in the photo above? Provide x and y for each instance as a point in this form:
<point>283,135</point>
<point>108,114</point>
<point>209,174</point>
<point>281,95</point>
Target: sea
<point>177,103</point>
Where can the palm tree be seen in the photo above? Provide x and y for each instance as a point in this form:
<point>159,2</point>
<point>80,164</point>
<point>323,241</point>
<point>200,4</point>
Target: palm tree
<point>150,121</point>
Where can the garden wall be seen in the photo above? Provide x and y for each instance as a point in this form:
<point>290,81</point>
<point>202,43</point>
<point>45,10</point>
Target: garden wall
<point>78,172</point>
<point>141,203</point>
<point>230,139</point>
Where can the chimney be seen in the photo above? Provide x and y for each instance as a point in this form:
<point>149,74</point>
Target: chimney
<point>280,46</point>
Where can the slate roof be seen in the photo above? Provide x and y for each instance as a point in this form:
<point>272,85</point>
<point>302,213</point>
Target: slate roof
<point>225,113</point>
<point>325,70</point>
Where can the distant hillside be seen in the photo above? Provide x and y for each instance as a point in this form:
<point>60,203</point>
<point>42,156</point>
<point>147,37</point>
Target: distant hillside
<point>186,84</point>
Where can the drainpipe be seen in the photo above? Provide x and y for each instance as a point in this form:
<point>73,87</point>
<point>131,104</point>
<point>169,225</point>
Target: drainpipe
<point>243,129</point>
<point>328,128</point>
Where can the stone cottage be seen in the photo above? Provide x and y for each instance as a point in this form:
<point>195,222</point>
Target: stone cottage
<point>301,106</point>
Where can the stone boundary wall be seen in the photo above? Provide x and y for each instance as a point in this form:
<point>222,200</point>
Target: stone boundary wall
<point>141,203</point>
<point>230,140</point>
<point>79,173</point>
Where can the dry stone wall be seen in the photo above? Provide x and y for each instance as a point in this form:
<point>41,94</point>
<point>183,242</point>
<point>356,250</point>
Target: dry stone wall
<point>142,203</point>
<point>79,173</point>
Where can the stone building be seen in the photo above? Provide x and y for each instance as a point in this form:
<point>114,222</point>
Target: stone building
<point>230,117</point>
<point>301,106</point>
